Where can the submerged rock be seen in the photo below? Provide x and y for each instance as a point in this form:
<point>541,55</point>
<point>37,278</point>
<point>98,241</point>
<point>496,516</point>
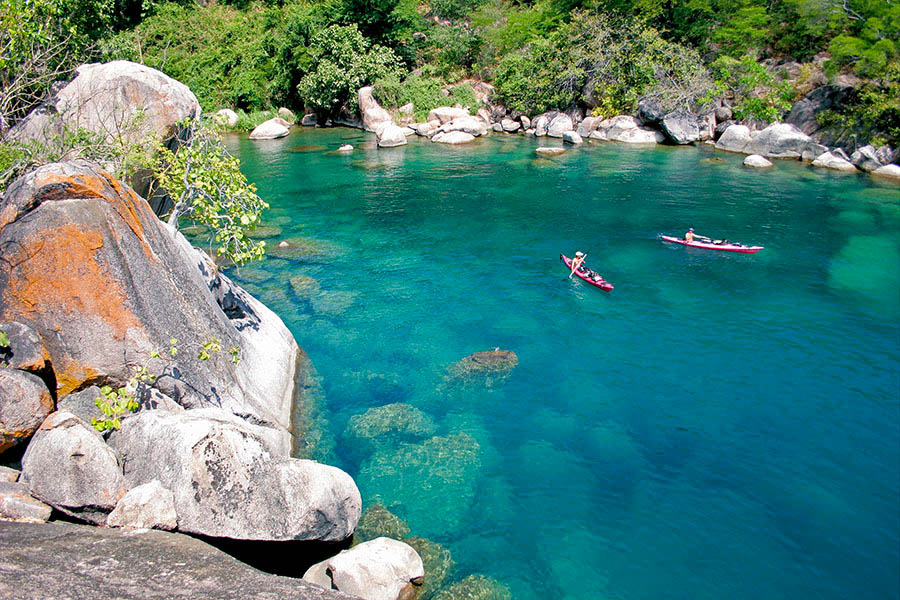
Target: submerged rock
<point>438,563</point>
<point>434,481</point>
<point>380,569</point>
<point>393,420</point>
<point>304,248</point>
<point>546,151</point>
<point>304,286</point>
<point>475,587</point>
<point>377,521</point>
<point>484,367</point>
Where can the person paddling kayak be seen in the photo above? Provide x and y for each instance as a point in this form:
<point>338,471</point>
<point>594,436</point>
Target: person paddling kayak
<point>577,262</point>
<point>690,235</point>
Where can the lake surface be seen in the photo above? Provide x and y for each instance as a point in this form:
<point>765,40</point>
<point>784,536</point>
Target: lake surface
<point>718,426</point>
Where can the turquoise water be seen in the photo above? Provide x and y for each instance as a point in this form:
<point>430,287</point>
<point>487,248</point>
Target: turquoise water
<point>718,426</point>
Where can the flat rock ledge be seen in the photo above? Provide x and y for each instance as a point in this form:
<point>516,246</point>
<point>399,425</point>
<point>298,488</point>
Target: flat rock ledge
<point>148,564</point>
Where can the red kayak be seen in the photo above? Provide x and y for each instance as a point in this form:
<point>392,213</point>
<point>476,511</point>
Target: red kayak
<point>713,245</point>
<point>587,275</point>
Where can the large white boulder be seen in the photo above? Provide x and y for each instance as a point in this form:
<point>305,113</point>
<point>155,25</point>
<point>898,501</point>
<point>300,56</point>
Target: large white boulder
<point>445,114</point>
<point>560,124</point>
<point>778,140</point>
<point>572,137</point>
<point>390,135</point>
<point>229,480</point>
<point>888,171</point>
<point>380,569</point>
<point>832,161</point>
<point>453,137</point>
<point>757,162</point>
<point>226,117</point>
<point>147,506</point>
<point>510,126</point>
<point>372,113</point>
<point>734,139</point>
<point>472,125</point>
<point>70,467</point>
<point>270,130</point>
<point>116,100</point>
<point>681,127</point>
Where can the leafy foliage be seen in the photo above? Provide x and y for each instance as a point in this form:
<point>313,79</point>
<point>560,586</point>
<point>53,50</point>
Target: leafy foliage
<point>425,93</point>
<point>4,339</point>
<point>210,189</point>
<point>619,60</point>
<point>344,62</point>
<point>755,92</point>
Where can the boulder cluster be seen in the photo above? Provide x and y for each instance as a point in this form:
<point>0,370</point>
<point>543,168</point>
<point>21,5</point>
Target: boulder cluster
<point>651,125</point>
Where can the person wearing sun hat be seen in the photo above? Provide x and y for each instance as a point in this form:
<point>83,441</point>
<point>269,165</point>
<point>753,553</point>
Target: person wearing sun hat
<point>577,262</point>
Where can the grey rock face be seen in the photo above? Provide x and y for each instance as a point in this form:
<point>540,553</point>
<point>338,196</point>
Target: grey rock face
<point>723,113</point>
<point>228,482</point>
<point>650,112</point>
<point>510,126</point>
<point>8,475</point>
<point>813,151</point>
<point>541,123</point>
<point>85,242</point>
<point>706,125</point>
<point>380,569</point>
<point>147,506</point>
<point>148,565</point>
<point>471,125</point>
<point>26,351</point>
<point>16,504</point>
<point>560,124</point>
<point>453,137</point>
<point>587,126</point>
<point>778,140</point>
<point>69,466</point>
<point>888,171</point>
<point>884,154</point>
<point>866,159</point>
<point>805,111</point>
<point>680,127</point>
<point>309,120</point>
<point>108,98</point>
<point>24,404</point>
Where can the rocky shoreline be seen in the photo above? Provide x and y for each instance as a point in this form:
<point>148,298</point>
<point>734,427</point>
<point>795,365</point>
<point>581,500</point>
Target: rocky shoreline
<point>95,288</point>
<point>456,125</point>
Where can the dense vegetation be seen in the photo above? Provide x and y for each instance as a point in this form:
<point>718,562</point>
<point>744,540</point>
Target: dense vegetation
<point>597,55</point>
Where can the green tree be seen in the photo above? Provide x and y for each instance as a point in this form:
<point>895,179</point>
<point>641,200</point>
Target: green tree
<point>208,187</point>
<point>344,62</point>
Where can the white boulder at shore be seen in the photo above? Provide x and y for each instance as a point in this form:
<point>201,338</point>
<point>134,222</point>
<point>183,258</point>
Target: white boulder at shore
<point>757,162</point>
<point>572,137</point>
<point>373,115</point>
<point>779,140</point>
<point>471,125</point>
<point>626,129</point>
<point>734,139</point>
<point>269,130</point>
<point>453,137</point>
<point>445,114</point>
<point>380,569</point>
<point>389,135</point>
<point>226,117</point>
<point>889,171</point>
<point>832,161</point>
<point>560,124</point>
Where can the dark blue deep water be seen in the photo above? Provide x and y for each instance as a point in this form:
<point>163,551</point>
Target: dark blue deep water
<point>718,426</point>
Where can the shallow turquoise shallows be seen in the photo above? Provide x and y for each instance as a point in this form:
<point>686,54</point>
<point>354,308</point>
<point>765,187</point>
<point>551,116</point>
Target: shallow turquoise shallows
<point>719,426</point>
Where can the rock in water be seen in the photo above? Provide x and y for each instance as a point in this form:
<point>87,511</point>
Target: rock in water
<point>377,521</point>
<point>24,404</point>
<point>486,366</point>
<point>69,466</point>
<point>560,124</point>
<point>373,115</point>
<point>102,280</point>
<point>269,130</point>
<point>229,480</point>
<point>778,140</point>
<point>391,421</point>
<point>734,139</point>
<point>380,569</point>
<point>390,135</point>
<point>888,171</point>
<point>475,587</point>
<point>572,137</point>
<point>756,161</point>
<point>453,138</point>
<point>546,151</point>
<point>832,161</point>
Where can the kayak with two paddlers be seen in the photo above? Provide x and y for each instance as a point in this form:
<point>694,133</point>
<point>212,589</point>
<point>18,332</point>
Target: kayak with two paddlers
<point>710,244</point>
<point>587,274</point>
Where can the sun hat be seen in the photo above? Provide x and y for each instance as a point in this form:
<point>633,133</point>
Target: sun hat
<point>579,253</point>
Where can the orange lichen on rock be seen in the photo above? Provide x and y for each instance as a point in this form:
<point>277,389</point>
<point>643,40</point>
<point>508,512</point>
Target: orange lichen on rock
<point>128,205</point>
<point>59,275</point>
